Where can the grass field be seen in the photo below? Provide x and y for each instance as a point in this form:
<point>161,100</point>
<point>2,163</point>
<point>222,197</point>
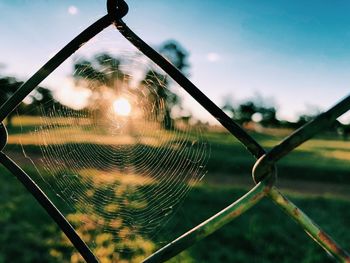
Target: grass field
<point>264,234</point>
<point>316,177</point>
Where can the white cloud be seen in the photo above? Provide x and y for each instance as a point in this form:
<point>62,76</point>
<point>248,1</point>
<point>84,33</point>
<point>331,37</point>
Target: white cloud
<point>213,57</point>
<point>72,10</point>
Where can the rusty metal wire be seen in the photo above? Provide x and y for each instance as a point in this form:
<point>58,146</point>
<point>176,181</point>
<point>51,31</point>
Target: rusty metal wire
<point>263,172</point>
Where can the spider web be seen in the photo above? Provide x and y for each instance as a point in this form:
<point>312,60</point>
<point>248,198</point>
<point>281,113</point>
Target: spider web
<point>121,173</point>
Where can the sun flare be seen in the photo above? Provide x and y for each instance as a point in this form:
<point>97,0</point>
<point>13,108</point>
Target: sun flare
<point>122,107</point>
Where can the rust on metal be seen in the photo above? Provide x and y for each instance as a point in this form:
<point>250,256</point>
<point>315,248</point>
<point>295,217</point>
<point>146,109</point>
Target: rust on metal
<point>334,246</point>
<point>296,212</point>
<point>312,229</point>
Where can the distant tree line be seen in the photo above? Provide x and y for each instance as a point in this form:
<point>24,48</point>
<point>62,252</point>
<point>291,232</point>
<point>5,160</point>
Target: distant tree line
<point>104,74</point>
<point>259,112</point>
<point>249,111</point>
<point>40,96</point>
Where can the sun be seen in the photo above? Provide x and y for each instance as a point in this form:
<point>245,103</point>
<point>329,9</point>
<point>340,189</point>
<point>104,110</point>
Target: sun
<point>122,107</point>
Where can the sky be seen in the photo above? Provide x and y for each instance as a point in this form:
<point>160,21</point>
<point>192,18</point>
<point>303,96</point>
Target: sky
<point>295,54</point>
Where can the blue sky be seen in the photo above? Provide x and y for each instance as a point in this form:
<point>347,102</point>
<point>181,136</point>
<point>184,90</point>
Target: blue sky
<point>296,53</point>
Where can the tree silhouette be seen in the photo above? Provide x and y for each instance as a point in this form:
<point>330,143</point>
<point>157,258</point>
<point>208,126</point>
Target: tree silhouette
<point>268,115</point>
<point>162,95</point>
<point>176,54</point>
<point>103,76</point>
<point>243,114</point>
<point>8,87</point>
<point>39,97</point>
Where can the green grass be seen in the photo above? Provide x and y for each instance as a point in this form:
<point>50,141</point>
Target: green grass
<point>322,159</point>
<point>263,234</point>
<point>27,232</point>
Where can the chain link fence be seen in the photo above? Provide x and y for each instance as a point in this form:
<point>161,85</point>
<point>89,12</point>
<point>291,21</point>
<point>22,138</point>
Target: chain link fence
<point>264,171</point>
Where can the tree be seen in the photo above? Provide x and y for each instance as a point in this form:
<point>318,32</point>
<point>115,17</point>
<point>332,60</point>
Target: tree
<point>103,76</point>
<point>177,55</point>
<point>161,96</point>
<point>40,99</point>
<point>311,112</point>
<point>103,69</point>
<point>40,96</point>
<point>268,116</point>
<point>244,112</point>
<point>229,109</point>
<point>8,85</point>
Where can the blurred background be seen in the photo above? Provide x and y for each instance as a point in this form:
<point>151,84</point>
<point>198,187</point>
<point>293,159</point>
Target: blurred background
<point>133,161</point>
